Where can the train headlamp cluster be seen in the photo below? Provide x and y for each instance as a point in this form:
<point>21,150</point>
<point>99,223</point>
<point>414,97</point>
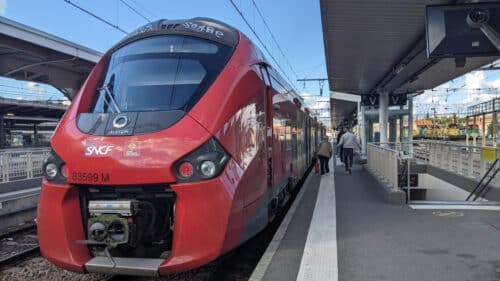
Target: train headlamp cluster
<point>54,169</point>
<point>51,170</point>
<point>206,162</point>
<point>208,168</point>
<point>186,170</point>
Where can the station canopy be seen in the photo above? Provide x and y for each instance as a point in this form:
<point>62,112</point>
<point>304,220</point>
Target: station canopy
<point>32,55</point>
<point>375,46</point>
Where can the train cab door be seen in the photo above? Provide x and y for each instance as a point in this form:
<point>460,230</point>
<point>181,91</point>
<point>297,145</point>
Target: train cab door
<point>269,123</point>
<point>272,206</point>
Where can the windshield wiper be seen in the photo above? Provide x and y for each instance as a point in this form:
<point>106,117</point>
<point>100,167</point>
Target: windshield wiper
<point>111,99</point>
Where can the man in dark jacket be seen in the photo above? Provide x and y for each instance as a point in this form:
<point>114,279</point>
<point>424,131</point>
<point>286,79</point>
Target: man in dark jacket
<point>349,142</point>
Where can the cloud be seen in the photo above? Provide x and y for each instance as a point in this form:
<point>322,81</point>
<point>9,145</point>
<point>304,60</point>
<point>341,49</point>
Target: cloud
<point>465,93</point>
<point>3,6</point>
<point>495,83</point>
<point>31,84</point>
<point>475,80</point>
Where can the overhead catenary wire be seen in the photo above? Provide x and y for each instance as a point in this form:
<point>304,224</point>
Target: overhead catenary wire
<point>95,16</point>
<point>135,10</point>
<point>144,9</point>
<point>462,89</point>
<point>274,39</point>
<point>260,40</point>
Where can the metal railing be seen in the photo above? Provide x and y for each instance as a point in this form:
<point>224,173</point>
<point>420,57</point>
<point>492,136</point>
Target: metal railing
<point>456,158</point>
<point>460,159</point>
<point>22,164</point>
<point>383,161</point>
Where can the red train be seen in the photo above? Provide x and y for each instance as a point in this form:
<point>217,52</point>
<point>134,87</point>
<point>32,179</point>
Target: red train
<point>182,144</point>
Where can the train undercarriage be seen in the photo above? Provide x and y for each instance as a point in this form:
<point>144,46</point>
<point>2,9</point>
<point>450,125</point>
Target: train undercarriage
<point>131,222</point>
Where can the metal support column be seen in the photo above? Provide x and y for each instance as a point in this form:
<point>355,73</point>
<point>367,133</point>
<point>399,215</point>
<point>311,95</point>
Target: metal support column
<point>401,128</point>
<point>383,115</point>
<point>474,135</point>
<point>467,130</point>
<point>494,125</point>
<point>410,124</point>
<point>362,131</point>
<point>2,133</point>
<point>34,142</point>
<point>393,129</point>
<point>483,125</point>
<point>369,131</point>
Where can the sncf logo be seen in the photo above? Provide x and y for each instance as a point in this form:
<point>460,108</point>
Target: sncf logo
<point>102,150</point>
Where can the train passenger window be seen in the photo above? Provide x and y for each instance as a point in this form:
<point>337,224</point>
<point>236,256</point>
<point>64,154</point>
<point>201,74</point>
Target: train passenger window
<point>169,72</point>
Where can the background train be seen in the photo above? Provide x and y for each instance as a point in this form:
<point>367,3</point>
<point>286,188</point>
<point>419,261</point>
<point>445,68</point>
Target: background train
<point>182,143</point>
<point>450,132</point>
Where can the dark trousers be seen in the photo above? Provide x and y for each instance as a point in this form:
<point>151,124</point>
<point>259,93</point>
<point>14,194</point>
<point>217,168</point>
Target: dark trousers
<point>341,153</point>
<point>323,161</point>
<point>348,157</point>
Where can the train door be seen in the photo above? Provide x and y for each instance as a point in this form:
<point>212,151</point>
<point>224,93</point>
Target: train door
<point>269,125</point>
<point>308,140</point>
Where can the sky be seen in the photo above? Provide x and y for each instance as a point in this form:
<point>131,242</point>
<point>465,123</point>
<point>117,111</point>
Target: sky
<point>298,31</point>
<point>454,96</point>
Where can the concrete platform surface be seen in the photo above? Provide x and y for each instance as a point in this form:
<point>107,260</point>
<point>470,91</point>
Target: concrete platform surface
<point>382,242</point>
<point>305,245</point>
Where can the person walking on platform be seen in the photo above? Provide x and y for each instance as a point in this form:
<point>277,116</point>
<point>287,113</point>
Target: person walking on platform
<point>348,141</point>
<point>324,155</point>
<point>340,148</point>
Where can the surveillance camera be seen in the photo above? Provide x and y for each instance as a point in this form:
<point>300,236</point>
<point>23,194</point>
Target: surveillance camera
<point>477,17</point>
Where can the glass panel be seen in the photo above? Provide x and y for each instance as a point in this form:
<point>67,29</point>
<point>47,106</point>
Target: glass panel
<point>159,73</point>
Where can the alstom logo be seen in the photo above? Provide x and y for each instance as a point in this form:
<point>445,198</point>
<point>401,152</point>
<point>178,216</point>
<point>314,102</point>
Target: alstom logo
<point>102,150</point>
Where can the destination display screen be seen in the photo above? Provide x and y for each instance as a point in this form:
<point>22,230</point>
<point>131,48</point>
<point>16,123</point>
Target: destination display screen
<point>199,27</point>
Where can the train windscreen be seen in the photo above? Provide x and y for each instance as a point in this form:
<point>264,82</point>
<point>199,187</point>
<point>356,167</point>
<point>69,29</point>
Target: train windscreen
<point>159,73</point>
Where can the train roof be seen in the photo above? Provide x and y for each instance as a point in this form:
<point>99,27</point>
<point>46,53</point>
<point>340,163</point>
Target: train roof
<point>206,28</point>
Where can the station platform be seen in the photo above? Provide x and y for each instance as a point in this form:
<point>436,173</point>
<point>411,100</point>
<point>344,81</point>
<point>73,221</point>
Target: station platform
<point>341,228</point>
<point>18,202</point>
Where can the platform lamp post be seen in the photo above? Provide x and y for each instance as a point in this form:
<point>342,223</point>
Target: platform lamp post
<point>474,132</point>
<point>494,122</point>
<point>483,128</point>
<point>410,125</point>
<point>467,130</point>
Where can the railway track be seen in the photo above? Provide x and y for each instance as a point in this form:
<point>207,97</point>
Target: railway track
<point>17,245</point>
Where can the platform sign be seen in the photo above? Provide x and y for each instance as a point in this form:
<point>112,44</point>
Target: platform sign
<point>489,154</point>
<point>397,99</point>
<point>369,100</point>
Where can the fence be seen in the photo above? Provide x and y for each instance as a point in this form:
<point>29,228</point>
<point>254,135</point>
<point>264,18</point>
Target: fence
<point>457,158</point>
<point>22,164</point>
<point>384,162</point>
<point>465,160</point>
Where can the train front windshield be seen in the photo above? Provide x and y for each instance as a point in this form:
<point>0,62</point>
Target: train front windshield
<point>159,73</point>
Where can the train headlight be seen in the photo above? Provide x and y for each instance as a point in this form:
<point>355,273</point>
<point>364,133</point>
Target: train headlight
<point>207,168</point>
<point>51,170</point>
<point>206,162</point>
<point>54,169</point>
